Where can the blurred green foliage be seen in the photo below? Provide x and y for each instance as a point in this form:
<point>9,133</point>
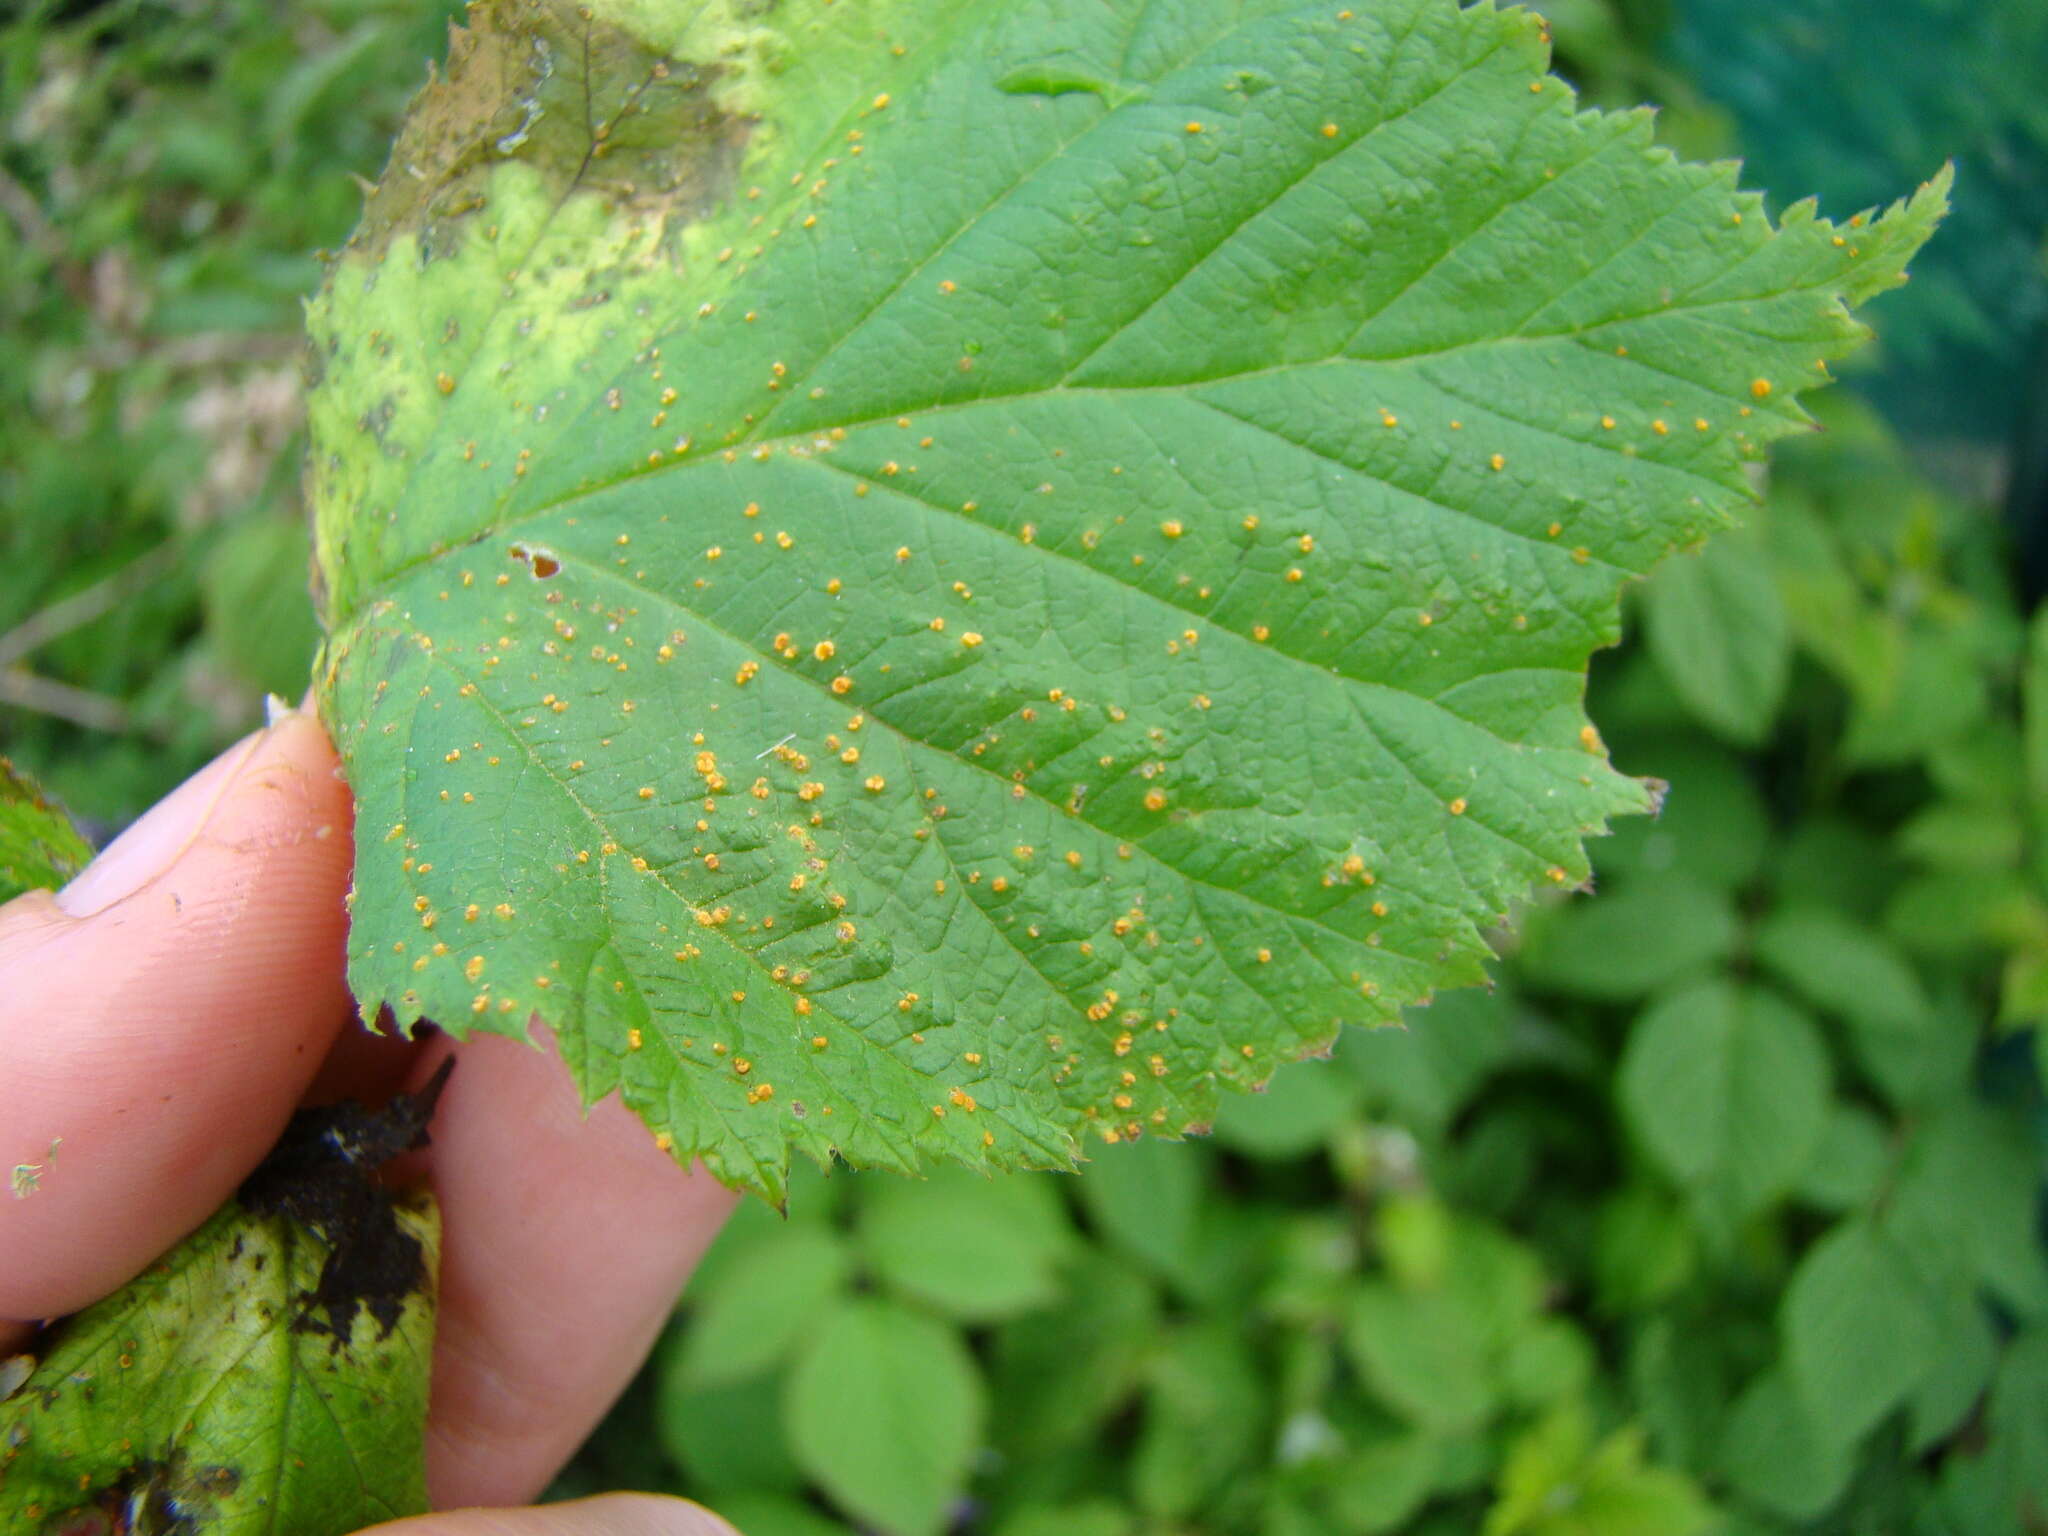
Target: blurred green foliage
<point>168,169</point>
<point>1721,1213</point>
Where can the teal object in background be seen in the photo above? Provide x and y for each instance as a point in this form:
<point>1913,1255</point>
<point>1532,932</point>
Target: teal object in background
<point>1846,99</point>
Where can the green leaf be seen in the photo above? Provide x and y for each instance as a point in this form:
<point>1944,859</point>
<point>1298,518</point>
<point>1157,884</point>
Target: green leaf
<point>884,1411</point>
<point>1727,1088</point>
<point>1940,696</point>
<point>1992,1238</point>
<point>1644,1248</point>
<point>1379,1485</point>
<point>1962,1368</point>
<point>2019,1418</point>
<point>976,1249</point>
<point>1830,861</point>
<point>1060,1372</point>
<point>1420,1354</point>
<point>767,1514</point>
<point>211,1384</point>
<point>1424,1074</point>
<point>1712,824</point>
<point>39,847</point>
<point>1840,966</point>
<point>1848,1166</point>
<point>728,1438</point>
<point>2034,716</point>
<point>1717,627</point>
<point>1549,1360</point>
<point>761,1305</point>
<point>1557,1482</point>
<point>845,591</point>
<point>1860,1331</point>
<point>1413,1233</point>
<point>1964,835</point>
<point>1682,1378</point>
<point>1205,1417</point>
<point>1291,1117</point>
<point>258,621</point>
<point>1632,940</point>
<point>1144,1200</point>
<point>1097,1517</point>
<point>1499,1281</point>
<point>1773,1452</point>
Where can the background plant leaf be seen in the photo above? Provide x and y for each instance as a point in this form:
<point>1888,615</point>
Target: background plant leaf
<point>906,654</point>
<point>1728,1088</point>
<point>884,1409</point>
<point>39,847</point>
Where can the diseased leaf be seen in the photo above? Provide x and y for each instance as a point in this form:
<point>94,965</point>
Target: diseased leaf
<point>210,1389</point>
<point>39,847</point>
<point>267,1377</point>
<point>919,580</point>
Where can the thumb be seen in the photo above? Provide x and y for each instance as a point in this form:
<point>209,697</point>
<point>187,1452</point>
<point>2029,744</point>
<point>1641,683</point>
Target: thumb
<point>611,1514</point>
<point>161,1015</point>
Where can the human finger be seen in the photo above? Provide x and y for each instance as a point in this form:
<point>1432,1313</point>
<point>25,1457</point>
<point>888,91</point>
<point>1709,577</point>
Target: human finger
<point>162,1014</point>
<point>567,1237</point>
<point>611,1514</point>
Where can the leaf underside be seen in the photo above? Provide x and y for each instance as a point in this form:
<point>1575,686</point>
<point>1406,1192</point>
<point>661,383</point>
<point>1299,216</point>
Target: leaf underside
<point>925,580</point>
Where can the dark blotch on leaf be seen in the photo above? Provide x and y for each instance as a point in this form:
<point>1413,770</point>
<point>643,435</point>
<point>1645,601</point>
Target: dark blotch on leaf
<point>321,1175</point>
<point>152,1498</point>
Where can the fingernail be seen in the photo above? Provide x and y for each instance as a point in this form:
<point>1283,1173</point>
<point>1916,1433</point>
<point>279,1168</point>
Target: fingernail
<point>157,841</point>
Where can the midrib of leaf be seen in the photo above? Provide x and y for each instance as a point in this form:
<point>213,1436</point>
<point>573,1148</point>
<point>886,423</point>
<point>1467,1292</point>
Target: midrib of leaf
<point>398,574</point>
<point>754,436</point>
<point>909,739</point>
